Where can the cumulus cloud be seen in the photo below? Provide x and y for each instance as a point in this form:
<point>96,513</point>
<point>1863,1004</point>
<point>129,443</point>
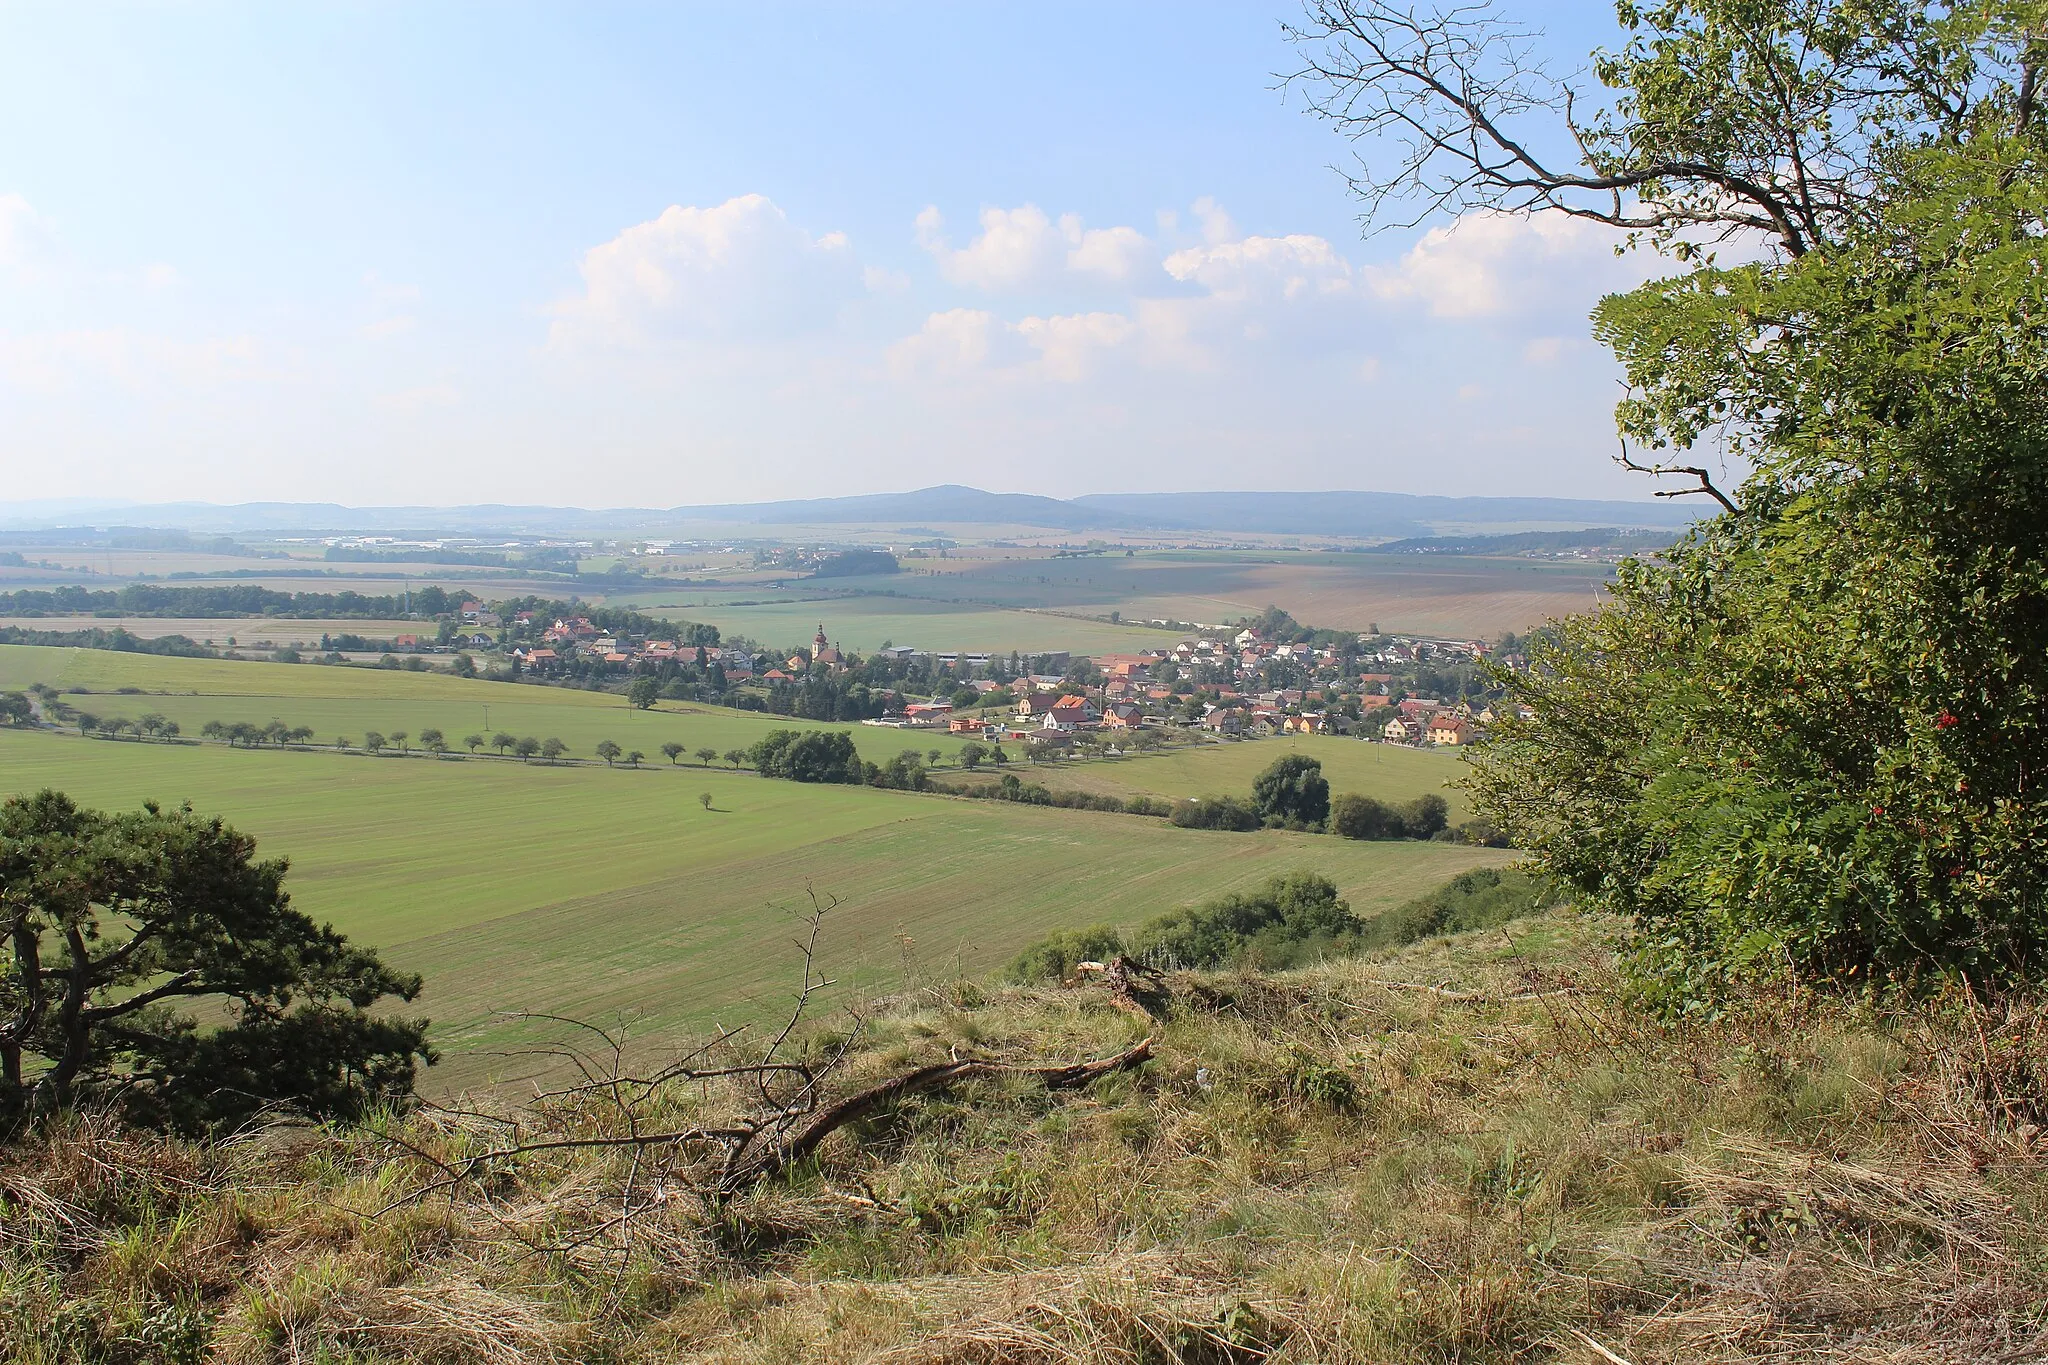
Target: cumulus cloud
<point>962,341</point>
<point>1215,303</point>
<point>1298,267</point>
<point>1023,247</point>
<point>1489,265</point>
<point>736,270</point>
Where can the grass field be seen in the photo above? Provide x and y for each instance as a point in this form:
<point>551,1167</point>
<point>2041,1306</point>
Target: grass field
<point>613,895</point>
<point>340,702</point>
<point>1386,771</point>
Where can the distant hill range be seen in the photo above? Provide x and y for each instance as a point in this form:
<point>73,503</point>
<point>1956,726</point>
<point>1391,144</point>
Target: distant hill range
<point>1598,538</point>
<point>1311,514</point>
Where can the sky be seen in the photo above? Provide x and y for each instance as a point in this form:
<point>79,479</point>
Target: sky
<point>623,255</point>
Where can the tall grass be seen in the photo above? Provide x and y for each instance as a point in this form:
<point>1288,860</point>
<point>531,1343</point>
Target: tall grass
<point>1470,1149</point>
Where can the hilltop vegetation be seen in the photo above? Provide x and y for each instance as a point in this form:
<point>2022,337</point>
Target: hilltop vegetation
<point>1464,1151</point>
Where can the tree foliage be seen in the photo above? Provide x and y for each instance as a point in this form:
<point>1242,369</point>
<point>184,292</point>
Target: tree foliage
<point>1292,791</point>
<point>806,756</point>
<point>112,919</point>
<point>1811,736</point>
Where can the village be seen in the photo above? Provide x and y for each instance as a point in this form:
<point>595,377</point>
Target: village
<point>1393,689</point>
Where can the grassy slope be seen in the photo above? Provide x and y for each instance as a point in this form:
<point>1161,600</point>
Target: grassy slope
<point>1386,771</point>
<point>611,893</point>
<point>1315,1167</point>
<point>349,701</point>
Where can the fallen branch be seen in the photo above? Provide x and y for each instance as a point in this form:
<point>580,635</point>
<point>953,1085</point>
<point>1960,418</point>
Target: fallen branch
<point>754,1162</point>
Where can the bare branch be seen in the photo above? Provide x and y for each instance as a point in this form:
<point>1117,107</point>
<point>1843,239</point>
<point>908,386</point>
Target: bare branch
<point>1705,477</point>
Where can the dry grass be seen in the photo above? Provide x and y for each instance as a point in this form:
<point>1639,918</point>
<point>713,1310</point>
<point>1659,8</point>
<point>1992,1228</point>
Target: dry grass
<point>1325,1166</point>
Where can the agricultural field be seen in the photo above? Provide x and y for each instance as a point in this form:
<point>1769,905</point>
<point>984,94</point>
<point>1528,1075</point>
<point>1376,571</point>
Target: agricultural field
<point>1389,772</point>
<point>864,622</point>
<point>248,632</point>
<point>1479,596</point>
<point>615,896</point>
<point>347,702</point>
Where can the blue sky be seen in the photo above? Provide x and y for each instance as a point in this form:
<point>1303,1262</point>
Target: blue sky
<point>655,255</point>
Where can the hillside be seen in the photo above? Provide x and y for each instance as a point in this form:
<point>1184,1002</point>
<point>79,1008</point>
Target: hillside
<point>1469,1149</point>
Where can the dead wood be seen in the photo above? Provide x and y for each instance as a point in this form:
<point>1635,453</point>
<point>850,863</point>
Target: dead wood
<point>757,1161</point>
<point>1133,987</point>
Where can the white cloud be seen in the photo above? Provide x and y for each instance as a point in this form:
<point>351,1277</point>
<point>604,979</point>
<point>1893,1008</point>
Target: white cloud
<point>1545,350</point>
<point>1369,370</point>
<point>957,341</point>
<point>1489,265</point>
<point>1068,344</point>
<point>1216,224</point>
<point>962,341</point>
<point>737,270</point>
<point>1022,247</point>
<point>1265,269</point>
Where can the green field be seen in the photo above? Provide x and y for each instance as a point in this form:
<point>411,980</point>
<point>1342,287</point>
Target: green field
<point>1389,772</point>
<point>346,702</point>
<point>613,895</point>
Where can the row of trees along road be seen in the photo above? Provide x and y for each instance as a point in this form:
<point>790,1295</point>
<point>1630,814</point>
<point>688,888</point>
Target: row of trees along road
<point>1811,738</point>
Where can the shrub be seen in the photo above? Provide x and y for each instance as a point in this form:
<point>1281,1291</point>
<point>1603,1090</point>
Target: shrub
<point>1426,817</point>
<point>1364,817</point>
<point>1054,957</point>
<point>1483,898</point>
<point>1290,920</point>
<point>1216,812</point>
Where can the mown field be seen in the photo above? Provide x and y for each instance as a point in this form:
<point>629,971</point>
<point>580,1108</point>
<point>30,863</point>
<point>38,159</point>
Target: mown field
<point>1386,771</point>
<point>347,702</point>
<point>614,896</point>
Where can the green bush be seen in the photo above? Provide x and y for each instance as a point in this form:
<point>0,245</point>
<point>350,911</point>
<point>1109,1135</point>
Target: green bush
<point>1216,812</point>
<point>1290,920</point>
<point>807,756</point>
<point>1054,957</point>
<point>1366,817</point>
<point>1483,898</point>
